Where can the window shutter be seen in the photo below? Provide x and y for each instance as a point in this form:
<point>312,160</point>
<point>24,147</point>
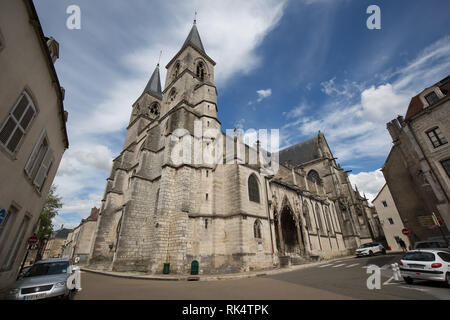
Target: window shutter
<point>43,170</point>
<point>30,163</point>
<point>14,128</point>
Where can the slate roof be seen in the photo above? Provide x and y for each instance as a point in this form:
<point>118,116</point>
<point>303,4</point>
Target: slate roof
<point>301,152</point>
<point>415,106</point>
<point>62,233</point>
<point>154,84</point>
<point>194,39</point>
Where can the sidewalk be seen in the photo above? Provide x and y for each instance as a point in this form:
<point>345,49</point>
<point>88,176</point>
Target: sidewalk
<point>209,277</point>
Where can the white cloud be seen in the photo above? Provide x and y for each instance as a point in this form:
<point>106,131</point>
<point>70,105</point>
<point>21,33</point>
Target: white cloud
<point>383,103</point>
<point>368,183</point>
<point>355,116</point>
<point>97,156</point>
<point>263,94</point>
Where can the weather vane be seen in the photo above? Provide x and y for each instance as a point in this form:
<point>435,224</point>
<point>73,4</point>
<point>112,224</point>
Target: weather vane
<point>160,53</point>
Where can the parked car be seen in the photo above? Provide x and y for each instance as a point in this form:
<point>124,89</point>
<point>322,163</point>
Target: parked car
<point>429,264</point>
<point>432,244</point>
<point>369,249</point>
<point>45,279</point>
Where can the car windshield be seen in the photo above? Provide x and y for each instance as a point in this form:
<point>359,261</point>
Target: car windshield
<point>431,244</point>
<point>419,256</point>
<point>45,269</point>
<point>367,245</point>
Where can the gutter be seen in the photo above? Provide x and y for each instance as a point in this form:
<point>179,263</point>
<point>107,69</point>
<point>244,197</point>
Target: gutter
<point>34,21</point>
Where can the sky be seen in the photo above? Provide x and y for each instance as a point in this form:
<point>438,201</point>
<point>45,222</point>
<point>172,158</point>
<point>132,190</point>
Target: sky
<point>299,66</point>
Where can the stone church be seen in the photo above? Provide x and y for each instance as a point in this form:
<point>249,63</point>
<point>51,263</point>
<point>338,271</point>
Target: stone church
<point>224,216</point>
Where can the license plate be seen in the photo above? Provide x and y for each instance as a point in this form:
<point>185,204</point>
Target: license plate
<point>35,296</point>
<point>416,266</point>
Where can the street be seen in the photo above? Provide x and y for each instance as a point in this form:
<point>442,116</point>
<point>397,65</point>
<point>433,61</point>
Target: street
<point>341,279</point>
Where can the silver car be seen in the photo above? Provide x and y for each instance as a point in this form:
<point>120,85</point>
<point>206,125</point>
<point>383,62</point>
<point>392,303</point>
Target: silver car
<point>45,279</point>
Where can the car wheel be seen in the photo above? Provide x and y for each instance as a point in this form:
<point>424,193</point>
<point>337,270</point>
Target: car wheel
<point>70,295</point>
<point>383,251</point>
<point>408,280</point>
<point>447,279</point>
<point>370,253</point>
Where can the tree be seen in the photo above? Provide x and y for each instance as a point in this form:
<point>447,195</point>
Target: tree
<point>49,211</point>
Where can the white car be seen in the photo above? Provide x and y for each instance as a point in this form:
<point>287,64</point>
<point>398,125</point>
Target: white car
<point>429,264</point>
<point>369,249</point>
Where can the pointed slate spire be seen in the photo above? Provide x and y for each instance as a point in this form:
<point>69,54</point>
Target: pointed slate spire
<point>154,84</point>
<point>194,38</point>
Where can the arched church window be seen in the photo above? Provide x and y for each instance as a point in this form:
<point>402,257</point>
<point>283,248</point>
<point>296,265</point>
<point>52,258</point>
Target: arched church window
<point>172,94</point>
<point>154,110</point>
<point>201,71</point>
<point>319,220</point>
<point>328,220</point>
<point>176,70</point>
<point>314,176</point>
<point>257,229</point>
<point>253,188</point>
<point>307,216</point>
<point>137,109</point>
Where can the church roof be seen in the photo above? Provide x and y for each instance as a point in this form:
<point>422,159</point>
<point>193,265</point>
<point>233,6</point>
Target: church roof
<point>154,84</point>
<point>301,152</point>
<point>194,39</point>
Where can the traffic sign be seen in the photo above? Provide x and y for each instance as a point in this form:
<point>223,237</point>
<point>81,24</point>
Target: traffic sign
<point>2,215</point>
<point>405,231</point>
<point>33,240</point>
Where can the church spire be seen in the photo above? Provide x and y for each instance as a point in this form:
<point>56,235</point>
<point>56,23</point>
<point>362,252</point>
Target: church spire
<point>154,84</point>
<point>194,37</point>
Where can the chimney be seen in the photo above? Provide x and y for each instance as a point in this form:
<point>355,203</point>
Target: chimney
<point>53,48</point>
<point>394,129</point>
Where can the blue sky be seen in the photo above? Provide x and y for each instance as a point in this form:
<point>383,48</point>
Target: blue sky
<point>299,66</point>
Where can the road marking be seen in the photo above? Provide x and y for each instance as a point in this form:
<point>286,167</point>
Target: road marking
<point>386,266</point>
<point>352,265</point>
<point>326,265</point>
<point>413,288</point>
<point>388,281</point>
<point>339,265</point>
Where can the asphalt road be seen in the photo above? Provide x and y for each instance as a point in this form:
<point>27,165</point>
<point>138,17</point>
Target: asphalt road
<point>344,279</point>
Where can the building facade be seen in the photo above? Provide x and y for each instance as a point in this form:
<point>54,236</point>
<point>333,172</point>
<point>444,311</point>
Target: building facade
<point>164,205</point>
<point>390,219</point>
<point>55,245</point>
<point>79,244</point>
<point>417,169</point>
<point>33,133</point>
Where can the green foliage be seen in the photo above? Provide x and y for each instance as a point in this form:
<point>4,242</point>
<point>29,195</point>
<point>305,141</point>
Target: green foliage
<point>49,211</point>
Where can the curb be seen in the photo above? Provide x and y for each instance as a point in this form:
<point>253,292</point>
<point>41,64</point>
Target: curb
<point>262,273</point>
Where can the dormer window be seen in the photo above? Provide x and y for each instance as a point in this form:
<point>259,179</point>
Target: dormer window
<point>201,71</point>
<point>436,137</point>
<point>432,98</point>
